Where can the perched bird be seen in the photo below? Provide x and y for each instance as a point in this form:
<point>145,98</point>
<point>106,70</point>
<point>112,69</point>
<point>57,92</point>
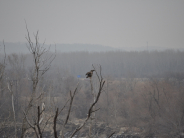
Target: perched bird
<point>89,74</point>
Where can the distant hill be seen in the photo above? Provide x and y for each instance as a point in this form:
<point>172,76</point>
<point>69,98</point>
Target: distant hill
<point>22,47</point>
<point>83,47</point>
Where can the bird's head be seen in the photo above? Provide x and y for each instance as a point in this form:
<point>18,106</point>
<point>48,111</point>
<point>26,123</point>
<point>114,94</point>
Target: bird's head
<point>92,70</point>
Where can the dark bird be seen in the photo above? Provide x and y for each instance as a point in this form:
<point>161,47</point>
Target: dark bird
<point>89,74</point>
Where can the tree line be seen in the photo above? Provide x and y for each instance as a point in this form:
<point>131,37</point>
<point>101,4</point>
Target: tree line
<point>118,64</point>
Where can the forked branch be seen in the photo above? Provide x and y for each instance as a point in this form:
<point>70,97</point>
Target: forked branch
<point>72,95</point>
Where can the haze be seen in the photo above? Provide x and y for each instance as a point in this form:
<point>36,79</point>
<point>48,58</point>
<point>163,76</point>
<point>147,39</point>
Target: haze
<point>119,24</point>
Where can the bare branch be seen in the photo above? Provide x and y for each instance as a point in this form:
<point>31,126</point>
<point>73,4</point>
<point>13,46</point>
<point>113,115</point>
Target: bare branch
<point>63,107</point>
<point>111,134</point>
<point>54,127</point>
<point>95,110</point>
<point>71,101</point>
<point>47,123</point>
<point>31,125</point>
<point>13,107</point>
<point>38,120</point>
<point>90,111</point>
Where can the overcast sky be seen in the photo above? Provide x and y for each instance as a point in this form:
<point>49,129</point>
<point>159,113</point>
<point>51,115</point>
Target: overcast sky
<point>115,23</point>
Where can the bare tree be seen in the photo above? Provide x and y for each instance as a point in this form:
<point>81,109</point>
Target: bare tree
<point>42,62</point>
<point>13,106</point>
<point>2,68</point>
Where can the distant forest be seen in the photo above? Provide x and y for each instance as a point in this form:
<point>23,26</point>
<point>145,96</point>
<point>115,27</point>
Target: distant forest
<point>117,64</point>
<point>124,64</point>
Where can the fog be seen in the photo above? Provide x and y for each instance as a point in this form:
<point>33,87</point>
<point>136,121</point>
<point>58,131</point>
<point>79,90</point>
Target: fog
<point>119,24</point>
<point>131,51</point>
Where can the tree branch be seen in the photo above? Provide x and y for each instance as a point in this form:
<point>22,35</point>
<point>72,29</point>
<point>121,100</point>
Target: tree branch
<point>90,111</point>
<point>54,127</point>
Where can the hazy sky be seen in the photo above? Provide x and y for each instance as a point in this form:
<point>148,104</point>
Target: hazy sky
<point>116,23</point>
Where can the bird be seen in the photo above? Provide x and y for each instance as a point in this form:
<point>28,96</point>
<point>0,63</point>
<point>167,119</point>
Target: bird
<point>89,74</point>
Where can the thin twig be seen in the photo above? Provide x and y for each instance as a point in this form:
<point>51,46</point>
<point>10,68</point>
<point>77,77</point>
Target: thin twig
<point>111,134</point>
